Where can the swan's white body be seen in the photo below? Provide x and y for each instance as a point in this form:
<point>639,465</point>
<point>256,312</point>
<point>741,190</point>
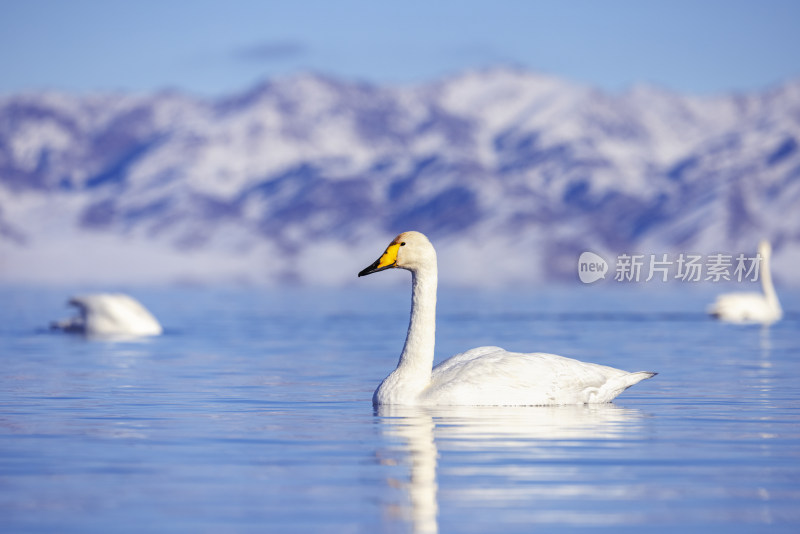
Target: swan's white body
<point>485,375</point>
<point>110,314</point>
<point>751,307</point>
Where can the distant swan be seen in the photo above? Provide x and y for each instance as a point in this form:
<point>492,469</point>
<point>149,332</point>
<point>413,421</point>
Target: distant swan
<point>485,375</point>
<point>751,307</point>
<point>109,314</point>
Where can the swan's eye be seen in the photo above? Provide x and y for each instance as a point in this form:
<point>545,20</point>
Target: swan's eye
<point>403,244</point>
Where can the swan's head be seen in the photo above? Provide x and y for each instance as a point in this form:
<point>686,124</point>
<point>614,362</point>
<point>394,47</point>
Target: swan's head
<point>764,248</point>
<point>409,250</point>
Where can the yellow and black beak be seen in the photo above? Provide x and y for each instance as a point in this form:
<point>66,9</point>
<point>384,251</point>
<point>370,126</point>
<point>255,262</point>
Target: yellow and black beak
<point>386,261</point>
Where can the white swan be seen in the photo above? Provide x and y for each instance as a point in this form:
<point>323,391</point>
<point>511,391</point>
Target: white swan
<point>109,314</point>
<point>751,307</point>
<point>485,375</point>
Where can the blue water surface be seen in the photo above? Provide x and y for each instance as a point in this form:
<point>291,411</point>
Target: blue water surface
<point>252,413</point>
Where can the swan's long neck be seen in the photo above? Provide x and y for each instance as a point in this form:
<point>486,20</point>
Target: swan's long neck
<point>766,284</point>
<point>416,360</point>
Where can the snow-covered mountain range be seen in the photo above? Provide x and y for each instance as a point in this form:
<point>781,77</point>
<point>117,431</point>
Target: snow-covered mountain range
<point>305,179</point>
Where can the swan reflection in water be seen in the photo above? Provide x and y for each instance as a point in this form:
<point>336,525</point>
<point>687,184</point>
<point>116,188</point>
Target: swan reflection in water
<point>517,434</point>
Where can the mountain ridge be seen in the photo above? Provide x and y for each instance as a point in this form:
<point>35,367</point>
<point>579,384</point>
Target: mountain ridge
<point>497,163</point>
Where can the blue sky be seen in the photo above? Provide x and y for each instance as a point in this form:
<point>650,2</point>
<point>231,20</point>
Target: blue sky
<point>213,48</point>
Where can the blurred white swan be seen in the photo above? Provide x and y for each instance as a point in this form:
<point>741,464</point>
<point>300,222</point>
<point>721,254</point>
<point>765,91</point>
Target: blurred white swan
<point>485,375</point>
<point>751,307</point>
<point>109,314</point>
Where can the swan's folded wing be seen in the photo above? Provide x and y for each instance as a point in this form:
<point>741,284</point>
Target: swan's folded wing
<point>115,313</point>
<point>464,358</point>
<point>491,375</point>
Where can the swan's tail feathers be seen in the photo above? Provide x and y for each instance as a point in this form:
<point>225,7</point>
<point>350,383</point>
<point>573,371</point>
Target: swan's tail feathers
<point>635,378</point>
<point>617,385</point>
